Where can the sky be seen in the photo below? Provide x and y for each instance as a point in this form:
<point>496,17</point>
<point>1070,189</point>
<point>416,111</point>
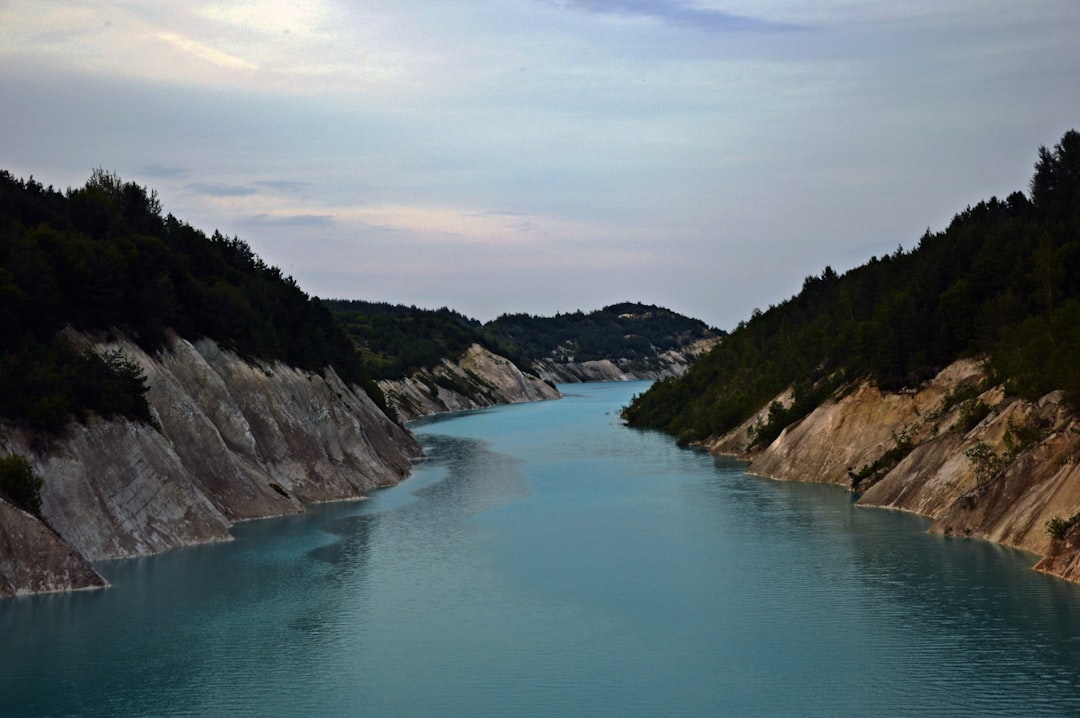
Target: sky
<point>546,156</point>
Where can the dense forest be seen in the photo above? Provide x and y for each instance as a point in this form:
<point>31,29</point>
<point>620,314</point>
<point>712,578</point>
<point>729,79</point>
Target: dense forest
<point>396,340</point>
<point>102,258</point>
<point>632,331</point>
<point>1002,281</point>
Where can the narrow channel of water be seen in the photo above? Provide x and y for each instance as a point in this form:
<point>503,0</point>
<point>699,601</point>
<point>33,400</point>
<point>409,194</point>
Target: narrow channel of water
<point>547,560</point>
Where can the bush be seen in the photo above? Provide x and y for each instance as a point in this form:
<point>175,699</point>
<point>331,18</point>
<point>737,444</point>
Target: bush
<point>987,462</point>
<point>20,484</point>
<point>972,412</point>
<point>1057,527</point>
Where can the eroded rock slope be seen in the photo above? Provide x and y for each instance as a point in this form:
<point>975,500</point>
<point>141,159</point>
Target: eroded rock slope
<point>476,380</point>
<point>979,463</point>
<point>235,440</point>
<point>671,363</point>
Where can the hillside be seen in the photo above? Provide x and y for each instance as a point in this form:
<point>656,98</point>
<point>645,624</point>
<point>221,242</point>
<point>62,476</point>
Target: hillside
<point>103,259</point>
<point>633,336</point>
<point>1003,280</point>
<point>158,384</point>
<point>941,380</point>
<point>429,361</point>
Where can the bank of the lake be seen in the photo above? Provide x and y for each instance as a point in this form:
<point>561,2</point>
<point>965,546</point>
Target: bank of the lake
<point>548,560</point>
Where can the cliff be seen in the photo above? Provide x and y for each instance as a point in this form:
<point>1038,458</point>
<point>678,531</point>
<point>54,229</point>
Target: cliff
<point>234,440</point>
<point>33,559</point>
<point>477,379</point>
<point>979,463</point>
<point>667,364</point>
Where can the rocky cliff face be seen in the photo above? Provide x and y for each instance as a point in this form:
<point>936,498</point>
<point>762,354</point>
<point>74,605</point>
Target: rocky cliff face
<point>978,463</point>
<point>480,378</point>
<point>235,440</point>
<point>477,379</point>
<point>671,363</point>
<point>33,559</point>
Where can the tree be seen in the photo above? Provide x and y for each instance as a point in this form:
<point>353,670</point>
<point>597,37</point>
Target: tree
<point>1057,172</point>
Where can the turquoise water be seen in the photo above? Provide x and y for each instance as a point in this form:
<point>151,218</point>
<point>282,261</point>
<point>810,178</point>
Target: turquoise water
<point>548,561</point>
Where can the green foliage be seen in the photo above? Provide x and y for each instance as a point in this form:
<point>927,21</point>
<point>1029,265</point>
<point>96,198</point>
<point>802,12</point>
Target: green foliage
<point>972,411</point>
<point>1057,527</point>
<point>1022,435</point>
<point>638,333</point>
<point>396,340</point>
<point>806,399</point>
<point>102,258</point>
<point>987,462</point>
<point>962,392</point>
<point>20,484</point>
<point>47,385</point>
<point>1002,280</point>
<point>869,474</point>
<point>1057,175</point>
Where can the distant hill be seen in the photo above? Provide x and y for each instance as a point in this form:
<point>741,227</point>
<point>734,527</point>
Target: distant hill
<point>636,334</point>
<point>1003,281</point>
<point>397,340</point>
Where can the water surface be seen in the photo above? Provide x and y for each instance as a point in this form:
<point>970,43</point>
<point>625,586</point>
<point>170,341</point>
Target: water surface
<point>547,560</point>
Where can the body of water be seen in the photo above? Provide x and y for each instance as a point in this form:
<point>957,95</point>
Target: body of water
<point>548,561</point>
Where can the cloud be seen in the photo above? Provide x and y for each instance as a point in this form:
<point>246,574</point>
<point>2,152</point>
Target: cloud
<point>263,220</point>
<point>161,171</point>
<point>678,13</point>
<point>205,52</point>
<point>221,190</point>
<point>283,185</point>
<point>293,17</point>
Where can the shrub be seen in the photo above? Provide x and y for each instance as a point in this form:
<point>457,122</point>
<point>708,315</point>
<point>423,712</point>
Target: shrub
<point>987,462</point>
<point>20,484</point>
<point>1057,527</point>
<point>972,412</point>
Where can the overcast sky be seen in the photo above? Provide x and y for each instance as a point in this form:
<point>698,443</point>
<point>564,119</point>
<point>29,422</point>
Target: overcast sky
<point>546,155</point>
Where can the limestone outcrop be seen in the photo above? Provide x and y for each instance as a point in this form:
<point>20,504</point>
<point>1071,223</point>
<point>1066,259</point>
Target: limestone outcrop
<point>33,559</point>
<point>476,380</point>
<point>979,463</point>
<point>234,440</point>
<point>671,363</point>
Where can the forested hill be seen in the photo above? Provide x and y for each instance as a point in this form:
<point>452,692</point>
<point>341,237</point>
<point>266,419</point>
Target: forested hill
<point>1003,280</point>
<point>636,333</point>
<point>396,340</point>
<point>102,258</point>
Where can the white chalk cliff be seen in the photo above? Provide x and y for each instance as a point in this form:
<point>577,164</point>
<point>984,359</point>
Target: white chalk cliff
<point>235,440</point>
<point>476,380</point>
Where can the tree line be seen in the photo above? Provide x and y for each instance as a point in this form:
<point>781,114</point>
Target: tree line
<point>637,333</point>
<point>103,258</point>
<point>1002,281</point>
<point>397,340</point>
